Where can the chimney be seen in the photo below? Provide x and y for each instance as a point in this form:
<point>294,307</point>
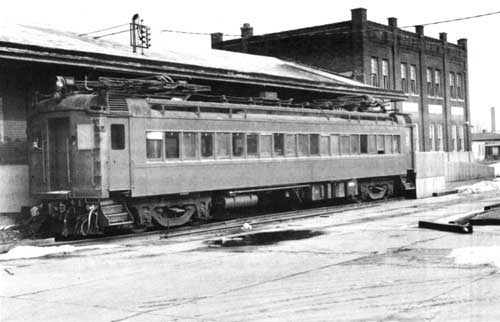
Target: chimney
<point>358,17</point>
<point>419,30</point>
<point>393,22</point>
<point>216,39</point>
<point>463,42</point>
<point>493,120</point>
<point>246,30</point>
<point>443,36</point>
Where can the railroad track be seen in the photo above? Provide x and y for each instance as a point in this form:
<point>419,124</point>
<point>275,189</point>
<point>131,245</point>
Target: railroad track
<point>226,226</point>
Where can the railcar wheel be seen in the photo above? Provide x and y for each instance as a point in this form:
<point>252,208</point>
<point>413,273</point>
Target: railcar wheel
<point>173,216</point>
<point>377,192</point>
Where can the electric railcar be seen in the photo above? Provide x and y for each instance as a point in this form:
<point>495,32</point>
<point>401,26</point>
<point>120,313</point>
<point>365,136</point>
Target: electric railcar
<point>99,161</point>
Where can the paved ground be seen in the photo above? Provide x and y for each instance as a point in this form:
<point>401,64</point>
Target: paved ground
<point>368,265</point>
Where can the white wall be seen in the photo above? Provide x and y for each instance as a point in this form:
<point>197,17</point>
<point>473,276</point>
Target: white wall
<point>14,193</point>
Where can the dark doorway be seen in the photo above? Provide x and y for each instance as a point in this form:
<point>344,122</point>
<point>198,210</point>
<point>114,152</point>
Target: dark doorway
<point>59,153</point>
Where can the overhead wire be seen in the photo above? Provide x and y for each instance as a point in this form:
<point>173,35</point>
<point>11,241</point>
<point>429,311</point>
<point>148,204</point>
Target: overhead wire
<point>350,32</point>
<point>110,34</point>
<point>456,19</point>
<point>101,30</point>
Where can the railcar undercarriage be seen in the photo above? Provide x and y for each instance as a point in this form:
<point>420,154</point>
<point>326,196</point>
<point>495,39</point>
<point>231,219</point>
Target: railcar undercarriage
<point>90,217</point>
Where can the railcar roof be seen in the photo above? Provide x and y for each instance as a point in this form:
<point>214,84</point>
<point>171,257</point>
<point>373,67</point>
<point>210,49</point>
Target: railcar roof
<point>64,47</point>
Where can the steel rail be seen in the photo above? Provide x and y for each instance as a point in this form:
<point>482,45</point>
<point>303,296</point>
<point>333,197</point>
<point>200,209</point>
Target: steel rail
<point>227,225</point>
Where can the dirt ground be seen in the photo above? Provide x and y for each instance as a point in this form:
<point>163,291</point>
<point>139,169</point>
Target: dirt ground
<point>362,265</point>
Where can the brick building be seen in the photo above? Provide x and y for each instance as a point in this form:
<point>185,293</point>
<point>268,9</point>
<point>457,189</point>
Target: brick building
<point>432,72</point>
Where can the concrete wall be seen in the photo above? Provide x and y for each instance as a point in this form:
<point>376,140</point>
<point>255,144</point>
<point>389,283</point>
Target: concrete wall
<point>430,170</point>
<point>14,191</point>
<point>435,169</point>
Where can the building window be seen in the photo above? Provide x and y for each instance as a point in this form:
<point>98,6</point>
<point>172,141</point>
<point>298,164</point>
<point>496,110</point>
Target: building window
<point>385,73</point>
<point>432,138</point>
<point>429,81</point>
<point>460,142</point>
<point>374,71</point>
<point>172,145</point>
<point>404,78</point>
<point>437,83</point>
<point>413,79</point>
<point>454,137</point>
<point>460,93</point>
<point>452,85</point>
<point>439,137</point>
<point>416,139</point>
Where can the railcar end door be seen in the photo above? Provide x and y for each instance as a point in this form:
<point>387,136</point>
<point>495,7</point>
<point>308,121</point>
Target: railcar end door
<point>119,155</point>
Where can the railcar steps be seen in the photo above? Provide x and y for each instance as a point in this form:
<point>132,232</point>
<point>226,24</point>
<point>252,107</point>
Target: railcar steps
<point>115,214</point>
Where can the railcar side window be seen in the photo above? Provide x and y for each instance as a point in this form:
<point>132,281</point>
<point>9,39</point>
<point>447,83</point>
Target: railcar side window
<point>355,144</point>
<point>290,145</point>
<point>154,145</point>
<point>252,144</point>
<point>396,144</point>
<point>345,145</point>
<point>171,145</point>
<point>380,144</point>
<point>189,145</point>
<point>324,145</point>
<point>314,144</point>
<point>117,136</point>
<point>223,145</point>
<point>363,143</point>
<point>207,145</point>
<point>334,143</point>
<point>265,145</point>
<point>279,144</point>
<point>85,136</point>
<point>303,144</point>
<point>388,144</point>
<point>238,144</point>
<point>372,144</point>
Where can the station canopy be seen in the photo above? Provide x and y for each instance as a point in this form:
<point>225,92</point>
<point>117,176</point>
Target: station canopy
<point>44,45</point>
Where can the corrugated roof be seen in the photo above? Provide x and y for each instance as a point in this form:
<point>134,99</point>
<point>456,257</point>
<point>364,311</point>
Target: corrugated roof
<point>237,65</point>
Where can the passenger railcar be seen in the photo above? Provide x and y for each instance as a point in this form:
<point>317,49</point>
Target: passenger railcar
<point>101,160</point>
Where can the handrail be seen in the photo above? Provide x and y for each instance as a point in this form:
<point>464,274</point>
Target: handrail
<point>68,164</point>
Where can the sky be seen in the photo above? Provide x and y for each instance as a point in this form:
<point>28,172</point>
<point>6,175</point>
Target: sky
<point>268,16</point>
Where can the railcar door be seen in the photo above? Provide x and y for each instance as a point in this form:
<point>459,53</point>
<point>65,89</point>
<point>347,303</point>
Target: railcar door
<point>119,155</point>
<point>59,153</point>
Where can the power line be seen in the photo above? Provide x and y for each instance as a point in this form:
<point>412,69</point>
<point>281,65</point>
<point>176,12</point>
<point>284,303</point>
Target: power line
<point>195,33</point>
<point>105,29</point>
<point>456,19</point>
<point>349,32</point>
<point>110,34</point>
